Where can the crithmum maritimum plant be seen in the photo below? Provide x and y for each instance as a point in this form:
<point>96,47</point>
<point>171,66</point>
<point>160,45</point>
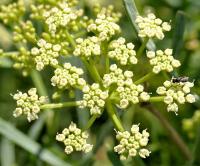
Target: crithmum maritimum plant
<point>68,32</point>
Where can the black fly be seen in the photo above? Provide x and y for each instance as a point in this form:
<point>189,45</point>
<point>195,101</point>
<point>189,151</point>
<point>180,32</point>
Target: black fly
<point>180,79</point>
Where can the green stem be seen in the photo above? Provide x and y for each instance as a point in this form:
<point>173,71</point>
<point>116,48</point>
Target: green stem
<point>71,39</point>
<point>171,131</point>
<point>38,82</point>
<point>111,112</point>
<point>107,64</point>
<point>90,66</point>
<point>80,34</point>
<point>145,78</point>
<point>166,76</point>
<point>59,105</point>
<point>9,54</point>
<point>92,70</point>
<point>142,47</point>
<point>104,48</point>
<point>90,122</point>
<point>156,99</point>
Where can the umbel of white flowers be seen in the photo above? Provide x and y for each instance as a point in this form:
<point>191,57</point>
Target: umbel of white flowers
<point>46,54</point>
<point>28,104</point>
<point>74,139</point>
<point>87,47</point>
<point>68,76</point>
<point>104,26</point>
<point>162,60</point>
<point>132,143</point>
<point>93,98</point>
<point>61,16</point>
<point>176,93</point>
<point>126,89</point>
<point>150,27</point>
<point>122,52</point>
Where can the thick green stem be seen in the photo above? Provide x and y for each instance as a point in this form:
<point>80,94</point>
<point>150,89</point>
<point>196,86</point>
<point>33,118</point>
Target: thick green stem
<point>71,39</point>
<point>38,82</point>
<point>9,54</point>
<point>104,48</point>
<point>111,112</point>
<point>90,122</point>
<point>90,66</point>
<point>92,70</point>
<point>107,64</point>
<point>142,47</point>
<point>80,34</point>
<point>59,105</point>
<point>145,78</point>
<point>172,132</point>
<point>156,99</point>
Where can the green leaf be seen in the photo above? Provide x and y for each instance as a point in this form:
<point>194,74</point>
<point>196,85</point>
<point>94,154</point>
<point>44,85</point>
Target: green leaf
<point>7,153</point>
<point>16,136</point>
<point>132,12</point>
<point>114,158</point>
<point>178,33</point>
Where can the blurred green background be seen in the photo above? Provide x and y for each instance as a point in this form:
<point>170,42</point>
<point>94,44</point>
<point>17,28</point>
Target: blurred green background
<point>43,131</point>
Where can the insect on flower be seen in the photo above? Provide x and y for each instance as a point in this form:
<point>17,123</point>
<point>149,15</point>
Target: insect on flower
<point>180,79</point>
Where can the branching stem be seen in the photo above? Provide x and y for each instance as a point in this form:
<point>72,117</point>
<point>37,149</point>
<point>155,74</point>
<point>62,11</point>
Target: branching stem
<point>142,47</point>
<point>145,78</point>
<point>111,112</point>
<point>90,122</point>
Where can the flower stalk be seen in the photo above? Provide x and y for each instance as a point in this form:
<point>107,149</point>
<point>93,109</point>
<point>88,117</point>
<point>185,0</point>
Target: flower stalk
<point>145,78</point>
<point>111,112</point>
<point>90,122</point>
<point>92,70</point>
<point>156,99</point>
<point>142,47</point>
<point>172,132</point>
<point>59,105</point>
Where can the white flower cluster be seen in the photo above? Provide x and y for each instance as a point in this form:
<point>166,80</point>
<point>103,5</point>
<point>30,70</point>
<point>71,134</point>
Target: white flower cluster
<point>12,12</point>
<point>28,104</point>
<point>126,89</point>
<point>87,47</point>
<point>151,26</point>
<point>104,26</point>
<point>176,93</point>
<point>108,11</point>
<point>162,60</point>
<point>61,16</point>
<point>38,10</point>
<point>132,143</point>
<point>93,98</point>
<point>124,53</point>
<point>68,76</point>
<point>46,54</point>
<point>74,139</point>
